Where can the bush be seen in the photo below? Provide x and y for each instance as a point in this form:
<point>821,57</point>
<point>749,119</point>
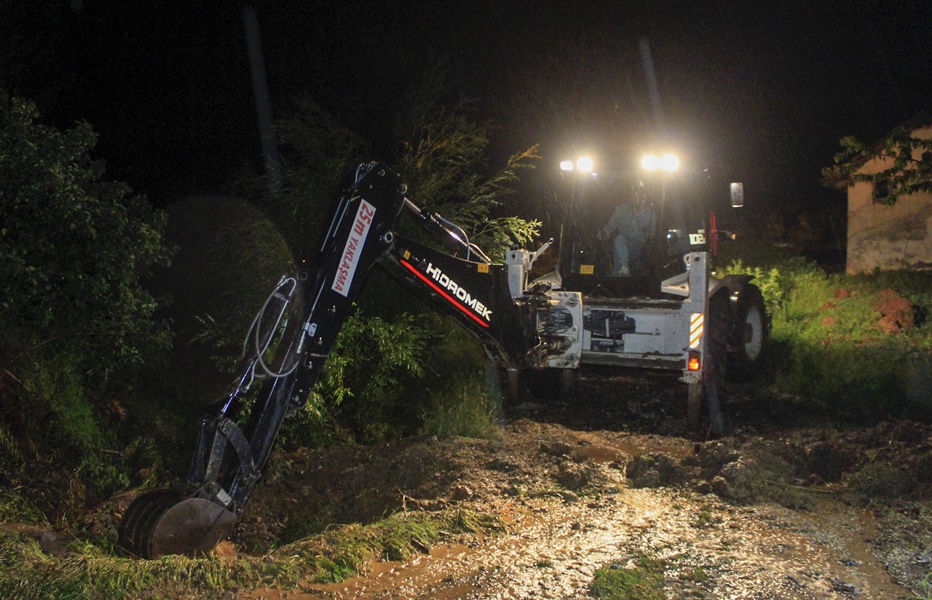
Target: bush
<point>464,397</point>
<point>835,345</point>
<point>229,256</point>
<point>74,249</point>
<point>75,316</point>
<point>369,386</point>
<point>643,581</point>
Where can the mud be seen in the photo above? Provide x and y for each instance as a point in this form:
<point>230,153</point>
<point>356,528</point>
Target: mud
<point>781,507</point>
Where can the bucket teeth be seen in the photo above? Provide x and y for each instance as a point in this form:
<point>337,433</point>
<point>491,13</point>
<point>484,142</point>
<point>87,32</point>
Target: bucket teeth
<point>164,521</point>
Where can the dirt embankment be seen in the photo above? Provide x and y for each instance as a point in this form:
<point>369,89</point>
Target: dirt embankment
<point>774,510</point>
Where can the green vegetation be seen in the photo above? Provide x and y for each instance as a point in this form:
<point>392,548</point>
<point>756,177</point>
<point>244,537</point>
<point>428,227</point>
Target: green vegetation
<point>705,518</point>
<point>76,317</point>
<point>925,588</point>
<point>74,248</point>
<point>858,346</point>
<point>643,581</point>
<point>365,393</point>
<point>397,369</point>
<point>109,353</point>
<point>461,401</point>
<point>93,571</point>
<point>907,162</point>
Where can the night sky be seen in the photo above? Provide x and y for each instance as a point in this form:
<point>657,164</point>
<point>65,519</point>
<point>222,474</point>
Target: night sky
<point>765,88</point>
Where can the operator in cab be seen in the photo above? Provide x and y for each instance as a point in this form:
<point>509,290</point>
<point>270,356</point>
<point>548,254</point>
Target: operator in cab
<point>630,226</point>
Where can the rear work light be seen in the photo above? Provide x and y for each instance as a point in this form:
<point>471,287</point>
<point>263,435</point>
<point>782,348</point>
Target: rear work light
<point>692,362</point>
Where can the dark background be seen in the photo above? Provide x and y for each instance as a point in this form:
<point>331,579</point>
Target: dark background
<point>765,89</point>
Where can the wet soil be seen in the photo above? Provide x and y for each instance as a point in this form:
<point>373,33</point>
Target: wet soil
<point>785,505</point>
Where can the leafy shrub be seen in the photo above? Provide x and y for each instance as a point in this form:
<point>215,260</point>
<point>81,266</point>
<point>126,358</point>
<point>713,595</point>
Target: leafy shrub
<point>74,248</point>
<point>464,389</point>
<point>463,409</point>
<point>444,162</point>
<point>832,346</point>
<point>375,383</point>
<point>75,316</point>
<point>229,256</point>
<point>364,392</point>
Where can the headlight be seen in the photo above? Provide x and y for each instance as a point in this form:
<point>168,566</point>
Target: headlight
<point>669,162</point>
<point>650,162</point>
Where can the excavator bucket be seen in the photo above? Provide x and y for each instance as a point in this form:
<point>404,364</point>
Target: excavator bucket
<point>165,521</point>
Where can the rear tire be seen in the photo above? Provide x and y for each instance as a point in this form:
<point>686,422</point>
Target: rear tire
<point>750,335</point>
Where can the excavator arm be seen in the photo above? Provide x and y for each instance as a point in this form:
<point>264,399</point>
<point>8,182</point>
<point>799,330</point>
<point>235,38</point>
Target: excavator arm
<point>294,333</point>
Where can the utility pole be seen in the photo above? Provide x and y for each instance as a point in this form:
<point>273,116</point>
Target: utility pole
<point>260,89</point>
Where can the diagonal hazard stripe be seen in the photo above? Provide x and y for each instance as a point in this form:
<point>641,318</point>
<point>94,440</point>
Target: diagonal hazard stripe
<point>695,329</point>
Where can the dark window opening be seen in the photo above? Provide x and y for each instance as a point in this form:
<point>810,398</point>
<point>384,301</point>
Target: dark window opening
<point>881,191</point>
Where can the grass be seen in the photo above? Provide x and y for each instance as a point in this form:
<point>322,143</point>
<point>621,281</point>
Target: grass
<point>832,348</point>
<point>705,518</point>
<point>925,588</point>
<point>98,573</point>
<point>463,408</point>
<point>643,581</point>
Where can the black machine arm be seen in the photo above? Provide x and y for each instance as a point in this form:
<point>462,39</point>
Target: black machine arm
<point>291,338</point>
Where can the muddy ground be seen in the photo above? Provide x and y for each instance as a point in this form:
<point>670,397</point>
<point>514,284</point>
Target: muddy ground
<point>786,505</point>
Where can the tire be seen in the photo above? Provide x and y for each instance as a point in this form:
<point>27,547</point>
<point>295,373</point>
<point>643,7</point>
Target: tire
<point>550,383</point>
<point>750,335</point>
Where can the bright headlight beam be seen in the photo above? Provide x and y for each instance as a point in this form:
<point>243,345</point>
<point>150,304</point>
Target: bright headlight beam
<point>566,165</point>
<point>650,162</point>
<point>669,162</point>
<point>584,164</point>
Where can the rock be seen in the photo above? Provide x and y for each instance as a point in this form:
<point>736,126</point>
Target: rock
<point>461,492</point>
<point>51,544</point>
<point>578,456</point>
<point>896,312</point>
<point>713,456</point>
<point>511,490</point>
<point>848,589</point>
<point>555,448</point>
<point>739,480</point>
<point>571,476</point>
<point>501,465</point>
<point>654,470</point>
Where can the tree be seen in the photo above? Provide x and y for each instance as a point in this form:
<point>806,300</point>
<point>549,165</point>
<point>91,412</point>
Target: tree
<point>907,160</point>
<point>317,151</point>
<point>443,158</point>
<point>373,384</point>
<point>74,248</point>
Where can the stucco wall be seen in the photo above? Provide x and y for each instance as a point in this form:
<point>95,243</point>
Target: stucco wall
<point>888,237</point>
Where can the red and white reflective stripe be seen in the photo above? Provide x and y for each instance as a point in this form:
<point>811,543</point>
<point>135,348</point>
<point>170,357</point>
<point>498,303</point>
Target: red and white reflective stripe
<point>695,329</point>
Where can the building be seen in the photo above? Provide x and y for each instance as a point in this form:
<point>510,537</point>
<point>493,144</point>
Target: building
<point>882,236</point>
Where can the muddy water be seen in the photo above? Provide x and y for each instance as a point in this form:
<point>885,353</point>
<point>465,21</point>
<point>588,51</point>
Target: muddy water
<point>710,550</point>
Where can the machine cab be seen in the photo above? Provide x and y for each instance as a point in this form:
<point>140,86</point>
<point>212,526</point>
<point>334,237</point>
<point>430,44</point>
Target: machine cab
<point>626,227</point>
